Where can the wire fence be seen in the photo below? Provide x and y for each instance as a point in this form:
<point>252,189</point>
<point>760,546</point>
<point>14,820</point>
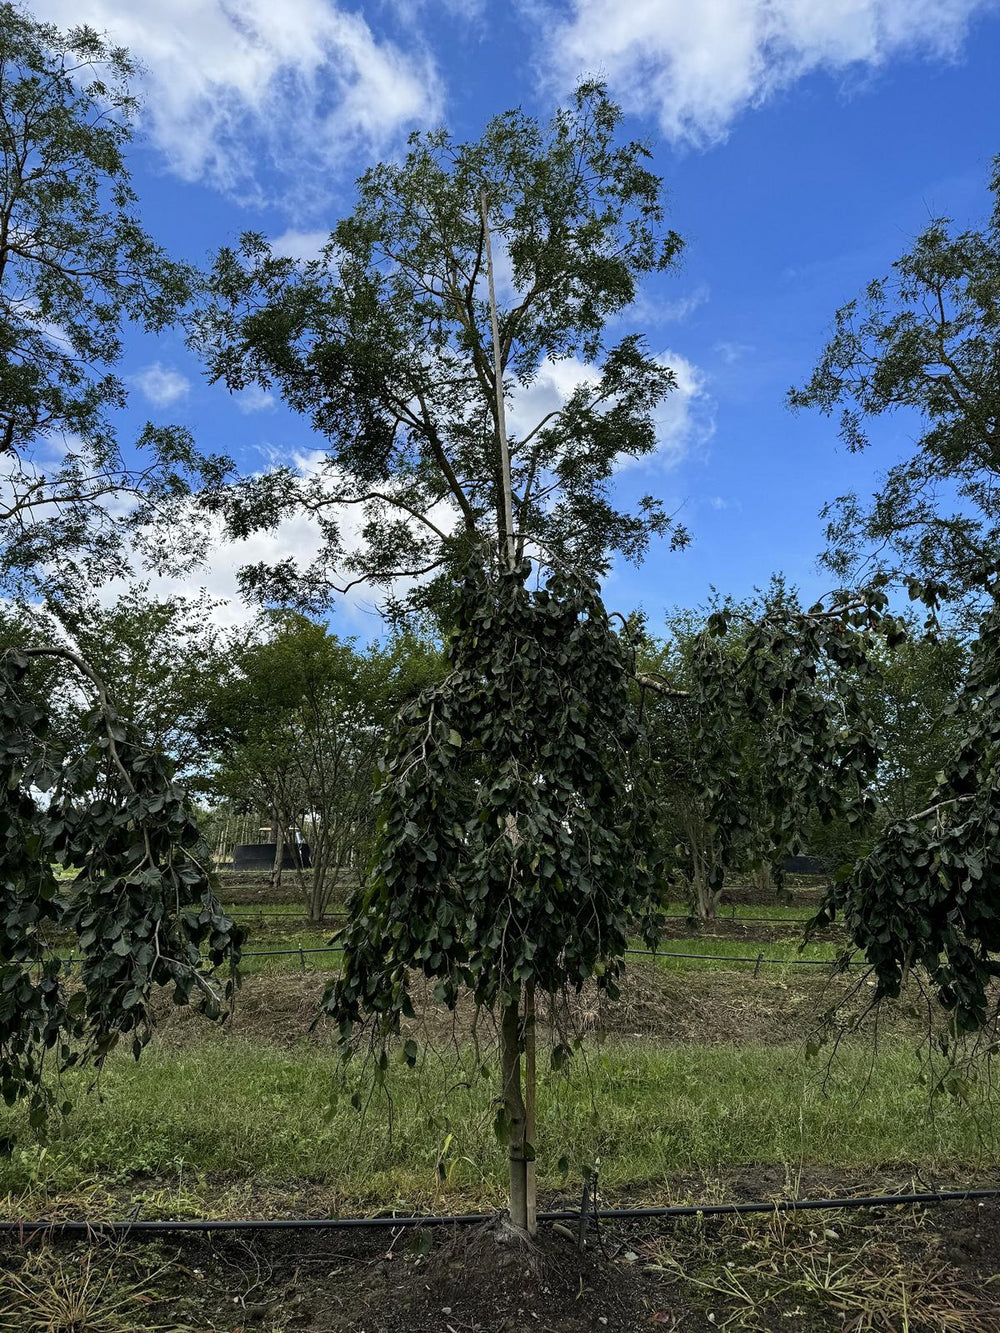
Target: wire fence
<point>292,915</point>
<point>757,960</point>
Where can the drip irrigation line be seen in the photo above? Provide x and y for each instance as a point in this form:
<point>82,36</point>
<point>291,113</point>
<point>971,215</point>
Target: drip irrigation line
<point>144,1227</point>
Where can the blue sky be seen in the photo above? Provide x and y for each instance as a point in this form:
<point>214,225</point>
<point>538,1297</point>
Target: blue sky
<point>803,144</point>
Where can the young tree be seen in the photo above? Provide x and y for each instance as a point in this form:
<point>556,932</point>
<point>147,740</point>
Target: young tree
<point>385,343</point>
<point>922,342</point>
<point>517,845</point>
<point>79,787</point>
<point>925,897</point>
<point>763,727</point>
<point>141,908</point>
<point>299,726</point>
<point>75,267</point>
<point>507,819</point>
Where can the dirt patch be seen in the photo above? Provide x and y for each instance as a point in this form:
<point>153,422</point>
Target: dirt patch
<point>925,1271</point>
<point>723,1005</point>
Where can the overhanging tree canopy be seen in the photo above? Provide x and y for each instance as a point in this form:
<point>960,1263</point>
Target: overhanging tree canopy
<point>140,911</point>
<point>922,341</point>
<point>926,895</point>
<point>76,266</point>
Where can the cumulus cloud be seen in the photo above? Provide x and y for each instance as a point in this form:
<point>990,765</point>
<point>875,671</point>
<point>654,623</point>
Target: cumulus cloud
<point>300,85</point>
<point>161,384</point>
<point>698,66</point>
<point>684,419</point>
<point>254,399</point>
<point>300,244</point>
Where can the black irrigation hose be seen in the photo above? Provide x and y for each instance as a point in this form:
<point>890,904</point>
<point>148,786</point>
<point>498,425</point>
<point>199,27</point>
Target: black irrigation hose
<point>137,1227</point>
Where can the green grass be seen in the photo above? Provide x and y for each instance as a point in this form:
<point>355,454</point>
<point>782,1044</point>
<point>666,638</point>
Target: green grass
<point>276,937</point>
<point>231,1109</point>
<point>716,946</point>
<point>797,913</point>
<point>273,940</point>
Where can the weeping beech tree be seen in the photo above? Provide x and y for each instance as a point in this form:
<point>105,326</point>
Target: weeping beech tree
<point>759,723</point>
<point>140,910</point>
<point>517,839</point>
<point>394,344</point>
<point>926,896</point>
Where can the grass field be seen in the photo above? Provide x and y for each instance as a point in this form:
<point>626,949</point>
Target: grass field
<point>220,1110</point>
<point>698,1088</point>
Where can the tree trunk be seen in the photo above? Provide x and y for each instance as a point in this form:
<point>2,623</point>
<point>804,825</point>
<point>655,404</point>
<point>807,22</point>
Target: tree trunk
<point>531,1189</point>
<point>317,885</point>
<point>763,878</point>
<point>279,851</point>
<point>513,1101</point>
<point>704,899</point>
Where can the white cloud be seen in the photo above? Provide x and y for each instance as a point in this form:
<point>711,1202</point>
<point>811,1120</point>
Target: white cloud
<point>683,420</point>
<point>161,384</point>
<point>415,11</point>
<point>698,66</point>
<point>298,539</point>
<point>300,244</point>
<point>732,351</point>
<point>548,392</point>
<point>298,85</point>
<point>255,399</point>
<point>675,312</point>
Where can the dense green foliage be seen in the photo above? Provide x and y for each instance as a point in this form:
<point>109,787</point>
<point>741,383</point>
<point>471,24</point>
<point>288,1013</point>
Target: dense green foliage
<point>923,342</point>
<point>925,896</point>
<point>76,267</point>
<point>758,725</point>
<point>516,840</point>
<point>383,344</point>
<point>140,909</point>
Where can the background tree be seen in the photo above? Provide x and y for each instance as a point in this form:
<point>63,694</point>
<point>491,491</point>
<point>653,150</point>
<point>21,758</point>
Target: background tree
<point>922,343</point>
<point>160,658</point>
<point>75,267</point>
<point>384,344</point>
<point>909,694</point>
<point>924,900</point>
<point>299,726</point>
<point>759,725</point>
<point>910,699</point>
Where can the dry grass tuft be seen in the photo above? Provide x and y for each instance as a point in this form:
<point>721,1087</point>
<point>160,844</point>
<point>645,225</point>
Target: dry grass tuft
<point>52,1293</point>
<point>870,1278</point>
